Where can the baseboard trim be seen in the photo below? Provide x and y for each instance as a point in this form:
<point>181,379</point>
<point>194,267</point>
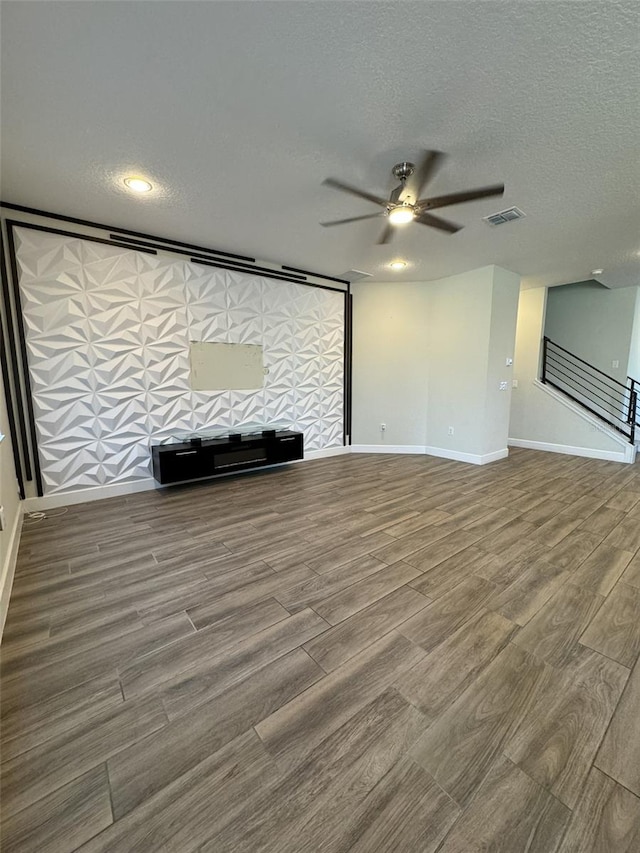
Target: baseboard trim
<point>116,490</point>
<point>627,455</point>
<point>325,453</point>
<point>9,568</point>
<point>388,448</point>
<point>94,493</point>
<point>442,452</point>
<point>471,458</point>
<point>596,423</point>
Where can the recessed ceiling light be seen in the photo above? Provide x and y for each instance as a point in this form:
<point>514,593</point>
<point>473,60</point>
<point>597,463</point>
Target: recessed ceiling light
<point>398,265</point>
<point>597,272</point>
<point>401,214</point>
<point>138,185</point>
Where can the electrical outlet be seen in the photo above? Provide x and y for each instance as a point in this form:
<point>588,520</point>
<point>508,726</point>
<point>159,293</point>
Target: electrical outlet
<point>514,383</point>
<point>450,430</point>
<point>383,427</point>
<point>615,363</point>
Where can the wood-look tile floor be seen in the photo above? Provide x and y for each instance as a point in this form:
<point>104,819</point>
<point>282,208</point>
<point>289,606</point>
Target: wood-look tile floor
<point>362,653</point>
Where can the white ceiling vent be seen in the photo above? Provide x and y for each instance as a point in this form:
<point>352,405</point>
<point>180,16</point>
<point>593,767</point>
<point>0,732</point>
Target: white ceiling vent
<point>355,275</point>
<point>503,216</point>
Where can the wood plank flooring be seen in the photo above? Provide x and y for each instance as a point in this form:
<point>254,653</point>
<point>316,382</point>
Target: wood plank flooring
<point>360,654</point>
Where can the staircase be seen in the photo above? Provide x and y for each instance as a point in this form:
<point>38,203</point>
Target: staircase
<point>609,400</point>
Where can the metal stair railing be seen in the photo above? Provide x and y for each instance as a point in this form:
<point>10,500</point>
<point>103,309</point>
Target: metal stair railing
<point>600,394</point>
<point>634,386</point>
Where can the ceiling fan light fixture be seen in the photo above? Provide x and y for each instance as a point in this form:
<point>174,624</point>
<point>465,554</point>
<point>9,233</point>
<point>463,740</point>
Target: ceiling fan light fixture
<point>401,214</point>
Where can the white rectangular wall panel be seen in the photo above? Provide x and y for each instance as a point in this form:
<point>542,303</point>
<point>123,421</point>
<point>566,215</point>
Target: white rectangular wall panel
<point>225,367</point>
<point>108,332</point>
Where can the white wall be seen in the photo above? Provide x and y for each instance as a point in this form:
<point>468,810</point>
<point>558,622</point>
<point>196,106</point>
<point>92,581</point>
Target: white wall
<point>9,537</point>
<point>428,356</point>
<point>594,323</point>
<point>541,418</point>
<point>108,331</point>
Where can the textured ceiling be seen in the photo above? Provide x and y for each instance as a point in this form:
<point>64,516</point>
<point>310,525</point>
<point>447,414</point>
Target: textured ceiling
<point>238,110</point>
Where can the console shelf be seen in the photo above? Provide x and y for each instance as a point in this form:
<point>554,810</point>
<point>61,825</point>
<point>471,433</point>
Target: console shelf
<point>199,457</point>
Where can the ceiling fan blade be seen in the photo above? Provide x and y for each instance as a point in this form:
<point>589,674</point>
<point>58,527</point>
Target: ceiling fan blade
<point>456,198</point>
<point>351,219</point>
<point>425,218</point>
<point>425,170</point>
<point>346,188</point>
<point>387,234</point>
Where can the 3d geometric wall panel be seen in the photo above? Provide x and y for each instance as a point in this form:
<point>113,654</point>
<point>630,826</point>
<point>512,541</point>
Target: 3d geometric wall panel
<point>108,332</point>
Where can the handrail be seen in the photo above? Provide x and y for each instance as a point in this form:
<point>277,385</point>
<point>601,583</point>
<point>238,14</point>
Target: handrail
<point>591,366</point>
<point>557,358</point>
<point>567,377</point>
<point>619,410</point>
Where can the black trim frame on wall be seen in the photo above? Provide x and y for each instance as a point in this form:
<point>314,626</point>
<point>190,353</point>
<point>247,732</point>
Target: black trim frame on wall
<point>211,257</point>
<point>9,357</point>
<point>157,242</point>
<point>264,272</point>
<point>11,223</point>
<point>6,382</point>
<point>348,365</point>
<point>307,272</point>
<point>4,368</point>
<point>24,359</point>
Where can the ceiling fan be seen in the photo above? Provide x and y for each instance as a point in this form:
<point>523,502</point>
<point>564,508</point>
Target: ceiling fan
<point>404,204</point>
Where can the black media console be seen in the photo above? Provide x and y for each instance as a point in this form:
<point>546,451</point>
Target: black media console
<point>197,457</point>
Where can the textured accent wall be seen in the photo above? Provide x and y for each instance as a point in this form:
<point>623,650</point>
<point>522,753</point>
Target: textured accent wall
<point>108,332</point>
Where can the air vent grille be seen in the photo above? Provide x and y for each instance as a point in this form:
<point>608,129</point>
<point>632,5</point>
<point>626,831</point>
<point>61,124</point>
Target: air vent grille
<point>355,275</point>
<point>503,216</point>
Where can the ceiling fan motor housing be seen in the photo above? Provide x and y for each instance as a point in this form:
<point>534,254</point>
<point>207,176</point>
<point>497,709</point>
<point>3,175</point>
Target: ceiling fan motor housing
<point>402,171</point>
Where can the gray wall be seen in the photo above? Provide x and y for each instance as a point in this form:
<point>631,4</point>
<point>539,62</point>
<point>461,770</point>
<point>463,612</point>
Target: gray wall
<point>634,356</point>
<point>594,323</point>
<point>538,418</point>
<point>390,356</point>
<point>428,356</point>
<point>458,360</point>
<point>504,314</point>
